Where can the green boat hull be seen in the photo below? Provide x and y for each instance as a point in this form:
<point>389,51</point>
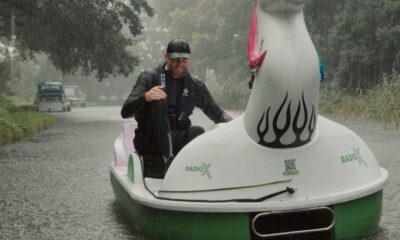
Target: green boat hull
<point>356,218</point>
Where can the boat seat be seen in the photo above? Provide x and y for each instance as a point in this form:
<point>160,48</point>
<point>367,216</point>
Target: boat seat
<point>153,165</point>
<point>128,135</point>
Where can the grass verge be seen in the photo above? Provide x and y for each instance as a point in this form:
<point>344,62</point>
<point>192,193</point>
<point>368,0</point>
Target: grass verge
<point>19,120</point>
<point>381,102</point>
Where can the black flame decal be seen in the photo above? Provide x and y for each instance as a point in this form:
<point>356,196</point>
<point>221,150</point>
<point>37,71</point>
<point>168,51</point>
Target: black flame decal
<point>297,130</point>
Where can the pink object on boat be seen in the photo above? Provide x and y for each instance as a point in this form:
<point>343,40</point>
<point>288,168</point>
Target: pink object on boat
<point>254,58</point>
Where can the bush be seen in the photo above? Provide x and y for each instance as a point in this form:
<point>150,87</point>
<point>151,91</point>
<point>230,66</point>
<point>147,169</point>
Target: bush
<point>17,122</point>
<point>381,102</point>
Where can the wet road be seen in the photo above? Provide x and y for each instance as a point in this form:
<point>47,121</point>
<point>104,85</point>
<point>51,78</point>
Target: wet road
<point>55,185</point>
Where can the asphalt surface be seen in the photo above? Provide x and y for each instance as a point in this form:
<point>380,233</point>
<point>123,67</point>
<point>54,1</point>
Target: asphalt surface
<point>55,185</point>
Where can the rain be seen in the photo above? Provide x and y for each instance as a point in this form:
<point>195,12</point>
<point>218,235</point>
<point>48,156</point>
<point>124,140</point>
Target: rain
<point>85,57</point>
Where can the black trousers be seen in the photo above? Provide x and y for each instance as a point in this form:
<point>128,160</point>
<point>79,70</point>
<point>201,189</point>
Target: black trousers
<point>163,142</point>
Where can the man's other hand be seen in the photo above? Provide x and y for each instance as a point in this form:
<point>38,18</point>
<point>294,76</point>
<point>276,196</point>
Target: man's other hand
<point>156,93</point>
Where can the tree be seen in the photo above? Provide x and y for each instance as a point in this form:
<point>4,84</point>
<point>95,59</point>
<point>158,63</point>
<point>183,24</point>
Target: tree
<point>4,74</point>
<point>357,39</point>
<point>217,31</point>
<point>86,35</point>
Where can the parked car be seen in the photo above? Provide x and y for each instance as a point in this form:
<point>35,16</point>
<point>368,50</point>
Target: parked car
<point>75,96</point>
<point>50,97</point>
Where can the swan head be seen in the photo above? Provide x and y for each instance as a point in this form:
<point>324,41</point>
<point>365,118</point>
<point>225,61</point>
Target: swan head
<point>271,6</point>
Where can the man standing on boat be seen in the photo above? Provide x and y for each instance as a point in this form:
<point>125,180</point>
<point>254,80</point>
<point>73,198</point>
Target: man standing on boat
<point>161,102</point>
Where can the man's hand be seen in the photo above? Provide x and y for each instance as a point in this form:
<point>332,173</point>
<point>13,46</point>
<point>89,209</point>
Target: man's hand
<point>156,93</point>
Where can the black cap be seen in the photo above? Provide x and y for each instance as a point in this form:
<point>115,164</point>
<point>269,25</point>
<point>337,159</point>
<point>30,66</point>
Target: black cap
<point>178,48</point>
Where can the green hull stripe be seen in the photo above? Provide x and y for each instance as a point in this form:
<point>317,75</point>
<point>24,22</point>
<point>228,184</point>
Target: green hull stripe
<point>172,225</point>
<point>359,217</point>
<point>356,218</point>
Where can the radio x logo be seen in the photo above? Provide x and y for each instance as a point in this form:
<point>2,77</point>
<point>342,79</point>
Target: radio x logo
<point>360,159</point>
<point>204,169</point>
<point>356,155</point>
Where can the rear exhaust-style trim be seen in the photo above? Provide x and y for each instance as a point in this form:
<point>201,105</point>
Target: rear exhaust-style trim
<point>325,213</point>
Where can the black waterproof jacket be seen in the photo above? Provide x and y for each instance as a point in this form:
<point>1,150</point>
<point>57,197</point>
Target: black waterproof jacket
<point>194,94</point>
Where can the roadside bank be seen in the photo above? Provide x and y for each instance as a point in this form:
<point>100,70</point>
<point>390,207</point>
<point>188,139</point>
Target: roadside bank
<point>18,119</point>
